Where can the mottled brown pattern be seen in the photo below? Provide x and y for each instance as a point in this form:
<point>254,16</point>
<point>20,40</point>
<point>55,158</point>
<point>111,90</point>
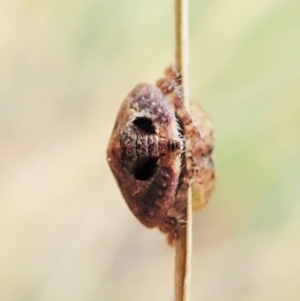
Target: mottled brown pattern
<point>152,132</point>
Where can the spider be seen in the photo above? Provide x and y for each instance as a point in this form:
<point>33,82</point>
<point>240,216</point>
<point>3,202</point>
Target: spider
<point>157,150</point>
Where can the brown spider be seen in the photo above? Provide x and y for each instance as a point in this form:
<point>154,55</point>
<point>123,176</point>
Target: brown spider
<point>152,134</point>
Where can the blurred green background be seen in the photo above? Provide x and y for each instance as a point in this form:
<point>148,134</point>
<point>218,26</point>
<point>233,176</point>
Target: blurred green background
<point>65,67</point>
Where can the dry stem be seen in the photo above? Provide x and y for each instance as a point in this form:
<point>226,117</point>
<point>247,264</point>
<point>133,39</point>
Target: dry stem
<point>183,246</point>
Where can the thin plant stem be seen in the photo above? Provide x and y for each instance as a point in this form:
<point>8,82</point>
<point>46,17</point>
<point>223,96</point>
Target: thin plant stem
<point>183,245</point>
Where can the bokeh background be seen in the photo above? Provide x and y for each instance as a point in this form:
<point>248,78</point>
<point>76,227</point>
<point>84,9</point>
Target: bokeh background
<point>65,67</point>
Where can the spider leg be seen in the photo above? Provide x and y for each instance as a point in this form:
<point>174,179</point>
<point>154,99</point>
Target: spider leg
<point>176,218</point>
<point>199,172</point>
<point>170,86</point>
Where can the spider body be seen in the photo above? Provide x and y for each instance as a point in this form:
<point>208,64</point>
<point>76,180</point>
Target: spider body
<point>152,133</point>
